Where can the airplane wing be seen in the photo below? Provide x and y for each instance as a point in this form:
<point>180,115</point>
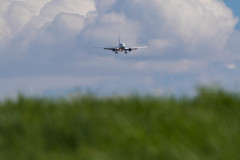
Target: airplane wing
<point>114,49</point>
<point>109,48</point>
<point>135,48</point>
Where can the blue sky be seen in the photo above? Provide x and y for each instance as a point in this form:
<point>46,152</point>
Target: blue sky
<point>235,6</point>
<point>46,46</point>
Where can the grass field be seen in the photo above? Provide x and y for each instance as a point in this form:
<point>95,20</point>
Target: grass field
<point>205,127</point>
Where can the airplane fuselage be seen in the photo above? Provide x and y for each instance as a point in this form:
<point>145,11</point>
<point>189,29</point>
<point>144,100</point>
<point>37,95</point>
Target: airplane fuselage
<point>121,47</point>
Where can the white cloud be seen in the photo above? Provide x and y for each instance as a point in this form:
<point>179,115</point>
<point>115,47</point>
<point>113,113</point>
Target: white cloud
<point>67,6</point>
<point>15,14</point>
<point>160,44</point>
<point>26,18</point>
<point>194,23</point>
<point>231,66</point>
<point>48,38</point>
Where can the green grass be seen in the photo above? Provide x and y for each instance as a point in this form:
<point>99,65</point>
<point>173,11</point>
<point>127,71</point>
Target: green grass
<point>205,127</point>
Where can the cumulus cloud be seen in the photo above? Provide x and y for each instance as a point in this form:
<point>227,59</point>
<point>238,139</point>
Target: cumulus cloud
<point>55,38</point>
<point>27,18</point>
<point>194,23</point>
<point>231,66</point>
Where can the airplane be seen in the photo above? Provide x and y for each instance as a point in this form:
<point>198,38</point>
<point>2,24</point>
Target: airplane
<point>122,48</point>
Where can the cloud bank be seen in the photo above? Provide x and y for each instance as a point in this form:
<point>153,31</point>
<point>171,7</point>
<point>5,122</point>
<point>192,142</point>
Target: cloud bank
<point>48,45</point>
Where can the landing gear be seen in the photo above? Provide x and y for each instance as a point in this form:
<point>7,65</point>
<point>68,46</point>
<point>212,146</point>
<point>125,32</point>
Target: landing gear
<point>126,52</point>
<point>116,52</point>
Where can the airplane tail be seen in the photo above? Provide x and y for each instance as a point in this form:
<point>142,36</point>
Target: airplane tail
<point>119,40</point>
